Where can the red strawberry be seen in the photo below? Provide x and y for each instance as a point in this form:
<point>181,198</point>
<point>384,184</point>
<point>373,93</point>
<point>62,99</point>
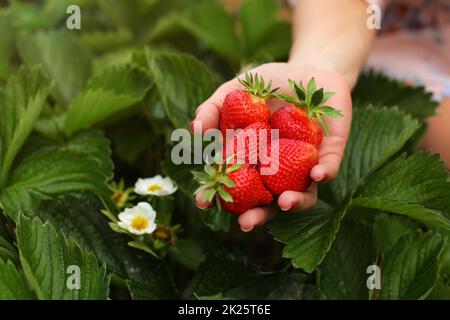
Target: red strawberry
<point>237,188</point>
<point>246,106</point>
<point>303,120</point>
<point>294,161</point>
<point>293,123</point>
<point>246,144</point>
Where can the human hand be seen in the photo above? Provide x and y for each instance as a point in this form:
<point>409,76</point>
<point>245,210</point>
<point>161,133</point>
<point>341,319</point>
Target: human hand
<point>330,151</point>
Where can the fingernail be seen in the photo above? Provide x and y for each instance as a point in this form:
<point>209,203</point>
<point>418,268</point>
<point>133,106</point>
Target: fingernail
<point>286,208</point>
<point>246,229</point>
<point>320,177</point>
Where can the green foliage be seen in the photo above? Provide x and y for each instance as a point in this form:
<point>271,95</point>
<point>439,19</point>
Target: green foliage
<point>387,229</point>
<point>62,59</point>
<point>307,236</point>
<point>47,168</point>
<point>411,267</point>
<point>13,285</point>
<point>263,37</point>
<point>416,186</point>
<point>232,277</point>
<point>46,256</point>
<point>81,107</point>
<point>376,135</point>
<point>183,83</point>
<point>342,275</point>
<point>112,91</point>
<point>381,91</point>
<point>22,101</point>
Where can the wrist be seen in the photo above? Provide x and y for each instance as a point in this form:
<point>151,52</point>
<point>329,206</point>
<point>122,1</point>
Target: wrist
<point>314,67</point>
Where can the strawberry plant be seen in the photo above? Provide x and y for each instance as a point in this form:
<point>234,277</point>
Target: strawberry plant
<point>88,187</point>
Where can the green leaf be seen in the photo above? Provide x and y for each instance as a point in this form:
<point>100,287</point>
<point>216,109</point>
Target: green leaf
<point>376,135</point>
<point>47,168</point>
<point>225,195</point>
<point>13,285</point>
<point>441,291</point>
<point>183,83</point>
<point>188,252</point>
<point>275,45</point>
<point>225,276</point>
<point>212,24</point>
<point>6,42</point>
<point>308,236</point>
<point>209,22</point>
<point>133,14</point>
<point>445,262</point>
<point>275,286</point>
<point>343,273</point>
<point>410,268</point>
<point>310,89</point>
<point>379,90</point>
<point>387,229</point>
<point>77,215</point>
<point>62,60</point>
<point>183,175</point>
<point>128,144</point>
<point>114,90</point>
<point>219,273</point>
<point>317,97</point>
<point>217,220</point>
<point>7,249</point>
<point>416,186</point>
<point>140,291</point>
<point>46,257</point>
<point>106,41</point>
<point>43,14</point>
<point>142,246</point>
<point>21,103</point>
<point>208,195</point>
<point>287,98</point>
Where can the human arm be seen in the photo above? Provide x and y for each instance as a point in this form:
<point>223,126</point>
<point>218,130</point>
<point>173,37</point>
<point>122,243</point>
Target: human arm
<point>330,43</point>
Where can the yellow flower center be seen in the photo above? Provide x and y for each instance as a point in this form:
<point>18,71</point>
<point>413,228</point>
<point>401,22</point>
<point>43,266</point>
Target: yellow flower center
<point>154,187</point>
<point>139,223</point>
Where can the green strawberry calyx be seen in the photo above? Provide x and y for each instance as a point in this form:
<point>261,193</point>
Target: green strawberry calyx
<point>256,86</point>
<point>214,179</point>
<point>312,100</point>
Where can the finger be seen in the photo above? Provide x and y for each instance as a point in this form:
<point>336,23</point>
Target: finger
<point>200,203</point>
<point>330,157</point>
<point>207,115</point>
<point>294,201</point>
<point>256,217</point>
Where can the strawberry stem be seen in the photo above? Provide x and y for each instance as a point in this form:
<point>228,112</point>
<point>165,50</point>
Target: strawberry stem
<point>213,180</point>
<point>312,100</point>
<point>256,86</point>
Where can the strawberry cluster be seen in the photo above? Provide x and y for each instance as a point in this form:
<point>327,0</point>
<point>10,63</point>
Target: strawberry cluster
<point>238,183</point>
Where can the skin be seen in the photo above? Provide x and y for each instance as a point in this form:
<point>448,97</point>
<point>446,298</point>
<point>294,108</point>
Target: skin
<point>331,49</point>
<point>437,136</point>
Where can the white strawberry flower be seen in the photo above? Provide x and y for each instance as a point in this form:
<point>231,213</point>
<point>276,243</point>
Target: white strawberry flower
<point>139,219</point>
<point>156,186</point>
